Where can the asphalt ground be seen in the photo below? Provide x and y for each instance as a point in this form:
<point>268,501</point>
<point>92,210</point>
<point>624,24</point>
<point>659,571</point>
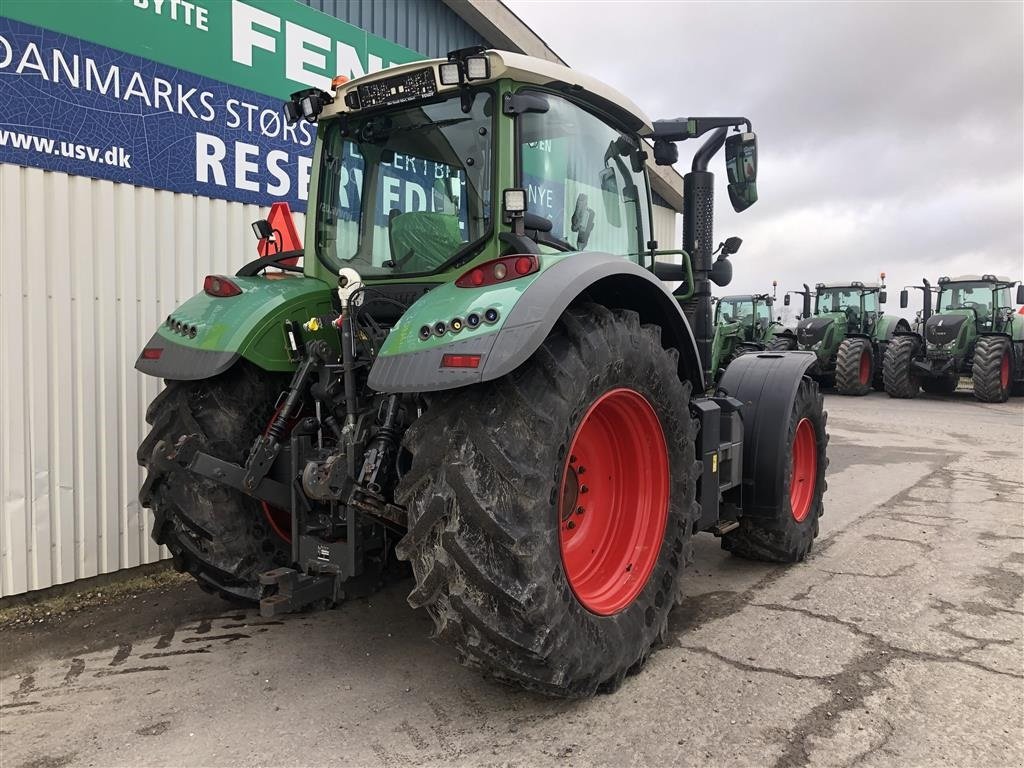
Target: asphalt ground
<point>899,641</point>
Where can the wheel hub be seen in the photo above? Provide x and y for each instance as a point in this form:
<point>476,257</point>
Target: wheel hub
<point>614,501</point>
<point>804,472</point>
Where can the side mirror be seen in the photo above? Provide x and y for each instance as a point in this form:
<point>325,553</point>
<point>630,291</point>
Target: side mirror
<point>1020,293</point>
<point>905,298</point>
<point>785,300</point>
<point>721,272</point>
<point>769,301</point>
<point>610,197</point>
<point>741,166</point>
<point>881,297</point>
<point>665,152</point>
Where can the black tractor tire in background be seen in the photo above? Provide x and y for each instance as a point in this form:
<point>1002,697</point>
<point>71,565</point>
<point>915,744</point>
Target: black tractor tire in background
<point>992,369</point>
<point>878,382</point>
<point>945,385</point>
<point>218,534</point>
<point>787,535</point>
<point>486,495</point>
<point>900,379</point>
<point>781,344</point>
<point>855,367</point>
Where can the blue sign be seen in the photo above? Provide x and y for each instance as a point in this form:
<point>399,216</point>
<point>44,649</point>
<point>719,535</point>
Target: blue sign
<point>80,108</point>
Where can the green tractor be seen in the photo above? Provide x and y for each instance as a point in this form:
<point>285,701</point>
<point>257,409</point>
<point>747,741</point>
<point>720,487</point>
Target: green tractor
<point>743,324</point>
<point>478,370</point>
<point>973,332</point>
<point>848,333</point>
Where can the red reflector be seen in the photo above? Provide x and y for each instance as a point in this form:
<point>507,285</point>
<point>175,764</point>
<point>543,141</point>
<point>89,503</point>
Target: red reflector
<point>218,285</point>
<point>460,361</point>
<point>152,353</point>
<point>499,271</point>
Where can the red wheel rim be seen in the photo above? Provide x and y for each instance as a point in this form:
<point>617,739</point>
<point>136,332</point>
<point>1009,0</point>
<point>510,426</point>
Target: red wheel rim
<point>865,367</point>
<point>805,470</point>
<point>1004,372</point>
<point>279,519</point>
<point>614,501</point>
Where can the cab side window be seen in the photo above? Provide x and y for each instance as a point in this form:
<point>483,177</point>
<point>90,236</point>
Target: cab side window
<point>585,176</point>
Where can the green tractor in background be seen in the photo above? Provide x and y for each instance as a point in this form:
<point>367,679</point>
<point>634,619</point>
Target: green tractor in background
<point>479,370</point>
<point>848,332</point>
<point>743,323</point>
<point>974,331</point>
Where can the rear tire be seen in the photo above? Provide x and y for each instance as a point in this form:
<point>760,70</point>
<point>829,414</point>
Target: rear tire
<point>897,369</point>
<point>855,367</point>
<point>781,344</point>
<point>218,534</point>
<point>992,369</point>
<point>490,520</point>
<point>787,535</point>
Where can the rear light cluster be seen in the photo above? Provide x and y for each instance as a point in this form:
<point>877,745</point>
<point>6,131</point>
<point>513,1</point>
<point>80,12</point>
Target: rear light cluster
<point>220,286</point>
<point>183,329</point>
<point>473,321</point>
<point>499,271</point>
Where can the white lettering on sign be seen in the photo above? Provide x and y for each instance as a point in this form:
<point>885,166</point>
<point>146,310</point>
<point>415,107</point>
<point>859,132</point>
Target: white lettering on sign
<point>306,52</point>
<point>245,36</point>
<point>189,14</point>
<point>301,47</point>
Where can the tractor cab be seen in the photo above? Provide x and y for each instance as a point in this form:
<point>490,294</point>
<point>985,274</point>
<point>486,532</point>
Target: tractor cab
<point>855,304</point>
<point>982,300</point>
<point>751,313</point>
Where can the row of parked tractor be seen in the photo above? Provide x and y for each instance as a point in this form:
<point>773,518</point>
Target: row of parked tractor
<point>967,328</point>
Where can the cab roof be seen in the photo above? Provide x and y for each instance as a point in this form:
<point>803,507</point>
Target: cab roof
<point>524,69</point>
<point>849,284</point>
<point>977,279</point>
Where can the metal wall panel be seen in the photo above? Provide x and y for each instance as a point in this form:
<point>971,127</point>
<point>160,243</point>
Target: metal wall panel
<point>427,26</point>
<point>88,270</point>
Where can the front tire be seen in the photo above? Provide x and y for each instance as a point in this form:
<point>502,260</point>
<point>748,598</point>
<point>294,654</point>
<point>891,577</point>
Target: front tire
<point>855,367</point>
<point>500,548</point>
<point>992,369</point>
<point>219,535</point>
<point>781,344</point>
<point>787,534</point>
<point>897,368</point>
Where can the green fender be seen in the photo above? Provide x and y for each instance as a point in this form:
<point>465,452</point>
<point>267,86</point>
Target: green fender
<point>249,326</point>
<point>886,327</point>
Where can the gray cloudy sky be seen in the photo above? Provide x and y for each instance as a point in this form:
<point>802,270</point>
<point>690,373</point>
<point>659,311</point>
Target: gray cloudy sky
<point>890,135</point>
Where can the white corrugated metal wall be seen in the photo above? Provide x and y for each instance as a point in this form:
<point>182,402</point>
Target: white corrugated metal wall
<point>88,270</point>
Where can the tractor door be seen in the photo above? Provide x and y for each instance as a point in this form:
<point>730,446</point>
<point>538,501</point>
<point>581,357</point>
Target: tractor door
<point>762,320</point>
<point>584,175</point>
<point>869,311</point>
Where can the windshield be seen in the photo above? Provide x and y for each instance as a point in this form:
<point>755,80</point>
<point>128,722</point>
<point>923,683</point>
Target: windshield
<point>732,310</point>
<point>407,191</point>
<point>838,299</point>
<point>976,296</point>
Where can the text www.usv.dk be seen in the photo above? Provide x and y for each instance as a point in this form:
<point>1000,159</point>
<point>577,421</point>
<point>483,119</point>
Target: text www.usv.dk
<point>112,156</point>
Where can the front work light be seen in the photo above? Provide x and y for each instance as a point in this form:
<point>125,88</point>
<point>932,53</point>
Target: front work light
<point>263,230</point>
<point>515,201</point>
<point>477,68</point>
<point>307,104</point>
<point>449,73</point>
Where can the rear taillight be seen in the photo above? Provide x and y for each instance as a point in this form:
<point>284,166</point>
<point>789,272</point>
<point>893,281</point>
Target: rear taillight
<point>152,353</point>
<point>220,286</point>
<point>460,361</point>
<point>499,271</point>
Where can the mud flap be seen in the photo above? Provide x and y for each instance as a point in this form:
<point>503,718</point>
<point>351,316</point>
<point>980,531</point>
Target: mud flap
<point>766,384</point>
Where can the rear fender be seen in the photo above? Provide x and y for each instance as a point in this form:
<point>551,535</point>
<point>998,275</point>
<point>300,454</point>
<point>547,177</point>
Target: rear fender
<point>528,316</point>
<point>766,384</point>
<point>249,326</point>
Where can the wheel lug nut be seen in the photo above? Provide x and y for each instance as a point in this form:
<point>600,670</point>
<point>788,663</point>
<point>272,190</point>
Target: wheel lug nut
<point>579,510</point>
<point>572,459</point>
<point>581,470</point>
<point>583,489</point>
<point>570,525</point>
